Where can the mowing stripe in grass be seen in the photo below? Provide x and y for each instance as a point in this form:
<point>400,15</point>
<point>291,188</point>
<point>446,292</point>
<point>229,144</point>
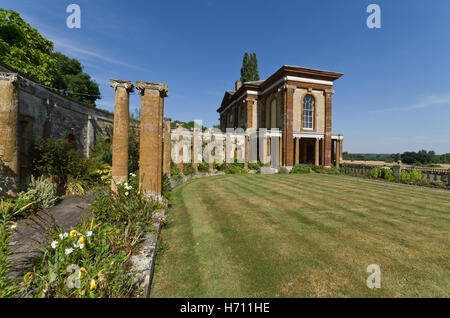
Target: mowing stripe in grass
<point>279,237</point>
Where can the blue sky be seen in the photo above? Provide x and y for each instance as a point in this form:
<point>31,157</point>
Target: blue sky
<point>394,95</point>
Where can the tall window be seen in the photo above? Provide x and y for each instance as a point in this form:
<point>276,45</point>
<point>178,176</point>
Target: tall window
<point>308,112</point>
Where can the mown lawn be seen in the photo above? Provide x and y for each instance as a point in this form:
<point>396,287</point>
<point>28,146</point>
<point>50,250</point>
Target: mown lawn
<point>303,236</point>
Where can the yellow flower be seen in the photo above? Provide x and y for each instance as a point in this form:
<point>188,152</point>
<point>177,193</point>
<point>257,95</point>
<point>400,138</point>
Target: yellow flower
<point>93,285</point>
<point>82,272</point>
<point>81,240</point>
<point>14,226</point>
<point>73,233</point>
<point>81,292</point>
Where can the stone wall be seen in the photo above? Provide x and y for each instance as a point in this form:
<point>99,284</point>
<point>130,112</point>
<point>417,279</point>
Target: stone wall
<point>43,113</point>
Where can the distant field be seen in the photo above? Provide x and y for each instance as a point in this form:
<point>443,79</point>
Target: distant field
<point>383,163</point>
<point>303,236</point>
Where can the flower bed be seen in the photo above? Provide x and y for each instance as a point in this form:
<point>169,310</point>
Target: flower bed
<point>93,259</point>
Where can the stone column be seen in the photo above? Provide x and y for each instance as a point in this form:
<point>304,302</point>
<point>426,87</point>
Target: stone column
<point>327,138</point>
<point>196,146</point>
<point>212,152</point>
<point>288,107</point>
<point>180,134</point>
<point>316,153</point>
<point>297,150</point>
<point>280,151</point>
<point>120,137</point>
<point>246,153</point>
<point>341,149</point>
<point>338,153</point>
<point>229,156</point>
<point>250,113</point>
<point>9,141</point>
<point>150,169</point>
<point>167,147</point>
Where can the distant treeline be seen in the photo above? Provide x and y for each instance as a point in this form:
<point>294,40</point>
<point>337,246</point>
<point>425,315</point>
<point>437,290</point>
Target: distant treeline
<point>188,125</point>
<point>421,157</point>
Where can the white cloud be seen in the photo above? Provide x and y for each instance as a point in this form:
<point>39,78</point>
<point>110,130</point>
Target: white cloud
<point>78,50</point>
<point>428,102</point>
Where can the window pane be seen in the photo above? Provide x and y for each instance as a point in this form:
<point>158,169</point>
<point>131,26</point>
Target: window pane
<point>308,111</point>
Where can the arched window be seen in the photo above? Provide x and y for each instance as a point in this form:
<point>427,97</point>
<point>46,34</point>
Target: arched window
<point>308,112</point>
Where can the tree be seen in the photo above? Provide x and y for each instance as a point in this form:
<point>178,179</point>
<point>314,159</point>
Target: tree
<point>25,49</point>
<point>73,81</point>
<point>249,69</point>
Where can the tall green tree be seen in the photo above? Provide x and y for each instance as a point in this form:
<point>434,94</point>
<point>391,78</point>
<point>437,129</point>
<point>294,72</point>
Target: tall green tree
<point>73,81</point>
<point>25,49</point>
<point>249,69</point>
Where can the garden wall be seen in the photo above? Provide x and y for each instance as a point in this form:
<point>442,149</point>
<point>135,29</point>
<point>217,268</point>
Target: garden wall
<point>41,112</point>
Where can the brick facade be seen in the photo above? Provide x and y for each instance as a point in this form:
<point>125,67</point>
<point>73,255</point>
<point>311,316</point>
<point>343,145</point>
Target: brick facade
<point>277,102</point>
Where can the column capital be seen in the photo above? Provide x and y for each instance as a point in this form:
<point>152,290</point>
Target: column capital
<point>167,119</point>
<point>161,87</point>
<point>286,87</point>
<point>114,83</point>
<point>10,77</point>
<point>328,91</point>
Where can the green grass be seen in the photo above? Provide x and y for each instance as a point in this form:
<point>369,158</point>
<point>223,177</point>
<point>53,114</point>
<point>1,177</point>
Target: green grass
<point>303,236</point>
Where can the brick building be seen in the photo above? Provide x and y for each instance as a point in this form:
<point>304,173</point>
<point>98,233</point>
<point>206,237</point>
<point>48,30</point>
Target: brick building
<point>295,100</point>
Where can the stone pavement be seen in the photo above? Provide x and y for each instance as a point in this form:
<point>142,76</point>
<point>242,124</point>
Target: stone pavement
<point>30,233</point>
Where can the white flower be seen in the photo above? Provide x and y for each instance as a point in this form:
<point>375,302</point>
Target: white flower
<point>14,226</point>
<point>132,174</point>
<point>126,193</point>
<point>68,251</point>
<point>88,233</point>
<point>54,244</point>
<point>81,246</point>
<point>75,244</point>
<point>63,235</point>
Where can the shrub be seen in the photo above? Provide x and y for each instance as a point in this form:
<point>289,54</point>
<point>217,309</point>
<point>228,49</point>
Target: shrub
<point>188,169</point>
<point>254,166</point>
<point>220,166</point>
<point>56,158</point>
<point>375,173</point>
<point>301,168</point>
<point>404,176</point>
<point>166,187</point>
<point>203,167</point>
<point>386,173</point>
<point>40,191</point>
<point>236,168</point>
<point>175,173</point>
<point>415,176</point>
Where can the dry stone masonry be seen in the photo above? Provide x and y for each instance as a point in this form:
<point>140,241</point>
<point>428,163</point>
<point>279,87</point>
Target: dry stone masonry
<point>30,111</point>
